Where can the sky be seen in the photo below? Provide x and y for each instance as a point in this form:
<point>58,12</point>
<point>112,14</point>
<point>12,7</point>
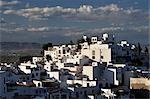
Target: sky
<point>59,21</point>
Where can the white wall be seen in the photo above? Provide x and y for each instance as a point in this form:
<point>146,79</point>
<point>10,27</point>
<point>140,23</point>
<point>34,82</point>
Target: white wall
<point>102,52</point>
<point>54,74</point>
<point>47,66</point>
<point>88,70</point>
<point>37,83</point>
<point>36,59</point>
<point>23,67</point>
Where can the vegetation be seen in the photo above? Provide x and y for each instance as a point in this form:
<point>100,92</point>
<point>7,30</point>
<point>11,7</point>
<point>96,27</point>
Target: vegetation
<point>82,40</point>
<point>71,43</point>
<point>139,49</point>
<point>48,57</point>
<point>137,62</point>
<point>146,50</point>
<point>45,46</point>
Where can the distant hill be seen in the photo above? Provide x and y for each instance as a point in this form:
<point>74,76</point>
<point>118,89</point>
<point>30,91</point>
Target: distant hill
<point>19,46</point>
<point>19,49</point>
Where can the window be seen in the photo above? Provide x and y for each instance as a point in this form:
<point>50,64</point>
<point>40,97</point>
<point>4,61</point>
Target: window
<point>27,67</point>
<point>93,52</point>
<point>68,51</point>
<point>64,52</point>
<point>37,74</point>
<point>28,78</point>
<point>38,84</point>
<point>59,51</point>
<point>102,57</point>
<point>88,84</point>
<point>4,80</point>
<point>32,75</point>
<point>93,57</point>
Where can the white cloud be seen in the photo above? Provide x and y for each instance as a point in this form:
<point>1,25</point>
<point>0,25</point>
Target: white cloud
<point>74,31</point>
<point>9,12</point>
<point>85,9</point>
<point>84,12</point>
<point>110,8</point>
<point>131,10</point>
<point>40,29</point>
<point>18,29</point>
<point>11,3</point>
<point>139,28</point>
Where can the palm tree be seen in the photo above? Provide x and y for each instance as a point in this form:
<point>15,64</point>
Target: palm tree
<point>146,50</point>
<point>139,49</point>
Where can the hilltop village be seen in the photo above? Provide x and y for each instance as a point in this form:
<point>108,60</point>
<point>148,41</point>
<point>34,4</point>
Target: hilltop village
<point>94,68</point>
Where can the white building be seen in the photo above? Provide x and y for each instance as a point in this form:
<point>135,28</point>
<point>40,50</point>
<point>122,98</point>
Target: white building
<point>26,67</point>
<point>82,70</point>
<point>37,59</point>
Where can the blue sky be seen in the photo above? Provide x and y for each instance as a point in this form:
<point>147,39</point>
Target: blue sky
<point>59,21</point>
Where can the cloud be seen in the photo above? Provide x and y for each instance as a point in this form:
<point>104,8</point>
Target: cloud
<point>139,28</point>
<point>110,8</point>
<point>61,34</point>
<point>131,10</point>
<point>84,12</point>
<point>9,12</point>
<point>40,29</point>
<point>10,30</point>
<point>74,31</point>
<point>11,3</point>
<point>85,9</point>
<point>38,13</point>
<point>96,31</point>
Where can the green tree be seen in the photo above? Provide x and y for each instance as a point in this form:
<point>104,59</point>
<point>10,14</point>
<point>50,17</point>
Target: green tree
<point>146,50</point>
<point>45,46</point>
<point>71,43</point>
<point>48,57</point>
<point>139,49</point>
